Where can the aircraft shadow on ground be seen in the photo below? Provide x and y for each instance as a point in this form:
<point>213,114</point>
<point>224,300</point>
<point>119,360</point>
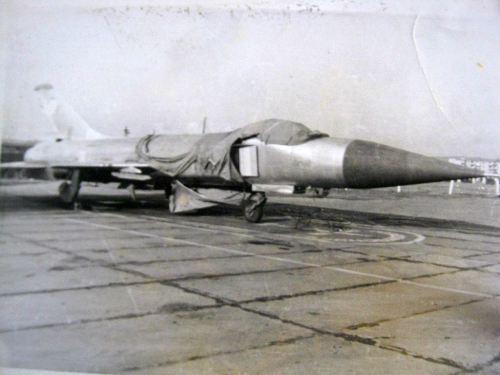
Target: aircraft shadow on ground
<point>274,212</point>
<point>390,220</point>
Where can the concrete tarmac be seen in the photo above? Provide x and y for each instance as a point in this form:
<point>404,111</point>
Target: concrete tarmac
<point>360,282</point>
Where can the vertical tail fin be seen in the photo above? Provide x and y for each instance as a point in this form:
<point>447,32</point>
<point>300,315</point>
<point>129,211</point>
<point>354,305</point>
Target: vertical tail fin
<point>66,121</point>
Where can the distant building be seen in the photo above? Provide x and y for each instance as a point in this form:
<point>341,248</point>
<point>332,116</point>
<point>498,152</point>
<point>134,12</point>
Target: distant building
<point>486,165</point>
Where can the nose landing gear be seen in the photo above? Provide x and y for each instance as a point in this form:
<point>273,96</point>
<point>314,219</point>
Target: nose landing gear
<point>254,207</point>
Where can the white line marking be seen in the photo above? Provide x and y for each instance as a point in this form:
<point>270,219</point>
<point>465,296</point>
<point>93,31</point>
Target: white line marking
<point>129,291</point>
<point>284,260</point>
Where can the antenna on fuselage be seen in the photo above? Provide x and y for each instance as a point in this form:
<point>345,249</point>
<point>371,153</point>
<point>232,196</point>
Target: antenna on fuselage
<point>204,125</point>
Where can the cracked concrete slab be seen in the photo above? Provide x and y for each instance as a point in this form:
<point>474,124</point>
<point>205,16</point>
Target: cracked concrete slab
<point>450,261</point>
<point>353,308</point>
<point>471,281</point>
<point>330,257</point>
<point>154,254</point>
<point>490,257</point>
<point>66,307</point>
<point>34,261</point>
<point>467,335</point>
<point>279,283</point>
<point>62,277</point>
<point>493,369</point>
<point>209,267</point>
<point>117,345</point>
<point>68,232</point>
<point>460,247</point>
<point>136,242</point>
<point>316,355</point>
<point>495,268</point>
<point>397,269</point>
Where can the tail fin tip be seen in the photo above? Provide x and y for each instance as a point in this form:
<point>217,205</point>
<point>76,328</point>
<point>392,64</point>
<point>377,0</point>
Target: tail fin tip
<point>67,123</point>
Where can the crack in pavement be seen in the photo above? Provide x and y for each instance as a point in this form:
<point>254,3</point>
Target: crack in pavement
<point>218,354</point>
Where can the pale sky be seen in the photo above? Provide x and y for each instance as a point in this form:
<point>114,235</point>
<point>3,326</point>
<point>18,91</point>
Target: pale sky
<point>416,74</point>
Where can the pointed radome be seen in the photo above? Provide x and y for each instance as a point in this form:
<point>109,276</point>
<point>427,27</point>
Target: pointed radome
<point>371,165</point>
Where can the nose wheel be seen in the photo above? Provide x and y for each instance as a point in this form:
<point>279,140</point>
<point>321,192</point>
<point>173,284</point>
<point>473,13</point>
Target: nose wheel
<point>254,207</point>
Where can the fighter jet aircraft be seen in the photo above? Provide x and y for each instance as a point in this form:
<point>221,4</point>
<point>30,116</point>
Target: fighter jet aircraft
<point>237,167</point>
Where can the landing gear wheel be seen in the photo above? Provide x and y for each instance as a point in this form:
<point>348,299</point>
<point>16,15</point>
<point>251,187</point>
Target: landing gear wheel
<point>254,207</point>
<point>321,192</point>
<point>68,191</point>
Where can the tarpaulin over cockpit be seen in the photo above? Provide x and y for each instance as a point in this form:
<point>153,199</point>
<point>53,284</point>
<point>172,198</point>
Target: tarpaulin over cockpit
<point>210,154</point>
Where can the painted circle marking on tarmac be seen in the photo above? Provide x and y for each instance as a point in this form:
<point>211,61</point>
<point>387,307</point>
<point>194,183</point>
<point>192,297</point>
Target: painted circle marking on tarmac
<point>369,235</point>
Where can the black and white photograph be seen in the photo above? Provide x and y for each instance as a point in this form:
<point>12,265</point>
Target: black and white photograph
<point>250,187</point>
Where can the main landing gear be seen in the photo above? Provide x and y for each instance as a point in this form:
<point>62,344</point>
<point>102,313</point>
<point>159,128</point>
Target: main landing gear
<point>254,207</point>
<point>68,191</point>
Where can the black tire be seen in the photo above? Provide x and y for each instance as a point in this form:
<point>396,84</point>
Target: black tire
<point>254,208</point>
<point>68,191</point>
<point>321,192</point>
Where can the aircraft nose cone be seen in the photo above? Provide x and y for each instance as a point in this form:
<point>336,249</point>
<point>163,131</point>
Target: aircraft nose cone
<point>371,165</point>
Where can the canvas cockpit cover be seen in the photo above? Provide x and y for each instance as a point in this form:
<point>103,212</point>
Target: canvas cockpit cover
<point>210,154</point>
<point>280,132</point>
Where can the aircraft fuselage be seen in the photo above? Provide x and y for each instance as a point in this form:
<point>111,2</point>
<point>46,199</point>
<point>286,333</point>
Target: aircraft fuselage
<point>323,162</point>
